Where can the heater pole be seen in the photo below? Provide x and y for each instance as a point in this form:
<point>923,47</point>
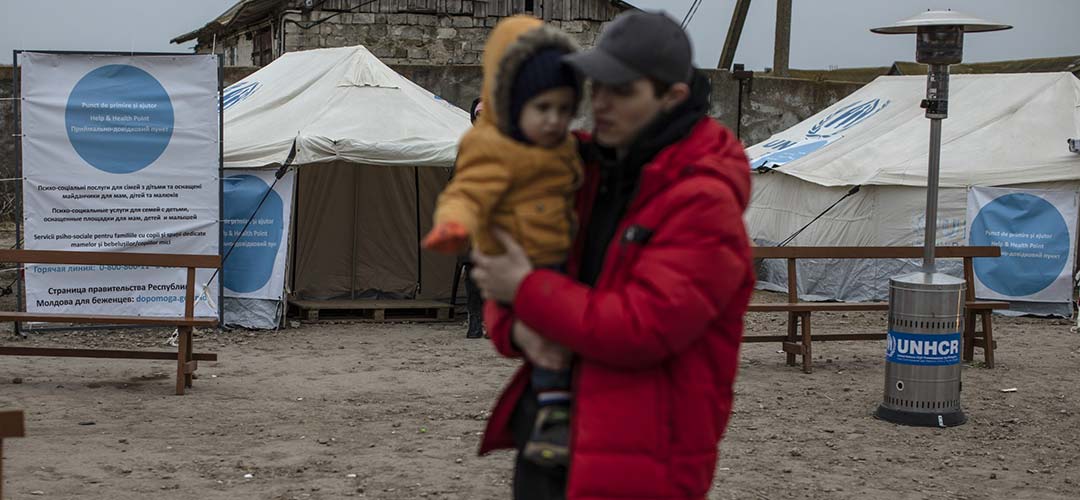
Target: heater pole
<point>937,109</point>
<point>932,196</point>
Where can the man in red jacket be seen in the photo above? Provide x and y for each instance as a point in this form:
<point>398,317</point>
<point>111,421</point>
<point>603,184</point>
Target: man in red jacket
<point>652,303</point>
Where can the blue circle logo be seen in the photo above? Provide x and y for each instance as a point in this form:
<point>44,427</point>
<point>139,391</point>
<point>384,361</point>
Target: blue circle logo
<point>238,92</point>
<point>119,119</point>
<point>251,262</point>
<point>1031,257</point>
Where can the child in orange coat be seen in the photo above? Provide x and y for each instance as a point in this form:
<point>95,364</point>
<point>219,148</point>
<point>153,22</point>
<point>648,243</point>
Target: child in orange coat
<point>518,169</point>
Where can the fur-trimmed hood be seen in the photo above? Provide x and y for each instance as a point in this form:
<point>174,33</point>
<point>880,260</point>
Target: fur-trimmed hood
<point>511,43</point>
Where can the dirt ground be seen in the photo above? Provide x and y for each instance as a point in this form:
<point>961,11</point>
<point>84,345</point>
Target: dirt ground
<point>395,410</point>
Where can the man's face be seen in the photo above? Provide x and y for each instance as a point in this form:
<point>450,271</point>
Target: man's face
<point>622,111</point>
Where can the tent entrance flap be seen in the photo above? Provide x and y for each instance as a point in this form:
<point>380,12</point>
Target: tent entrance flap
<point>357,228</point>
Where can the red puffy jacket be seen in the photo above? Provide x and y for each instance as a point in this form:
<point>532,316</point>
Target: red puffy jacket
<point>657,340</point>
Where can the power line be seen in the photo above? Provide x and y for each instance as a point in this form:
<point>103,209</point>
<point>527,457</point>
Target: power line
<point>694,6</point>
<point>698,6</point>
<point>683,22</point>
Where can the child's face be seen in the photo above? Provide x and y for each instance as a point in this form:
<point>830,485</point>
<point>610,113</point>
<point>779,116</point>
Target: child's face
<point>546,117</point>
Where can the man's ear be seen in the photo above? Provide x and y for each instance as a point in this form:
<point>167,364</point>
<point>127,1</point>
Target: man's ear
<point>675,96</point>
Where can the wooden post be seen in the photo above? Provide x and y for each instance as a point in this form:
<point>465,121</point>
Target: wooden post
<point>969,277</point>
<point>782,44</point>
<point>189,362</point>
<point>988,339</point>
<point>793,318</point>
<point>183,350</point>
<point>181,362</point>
<point>807,354</point>
<point>11,425</point>
<point>731,42</point>
<point>969,316</point>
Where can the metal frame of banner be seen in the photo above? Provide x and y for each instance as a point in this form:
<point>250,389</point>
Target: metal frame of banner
<point>16,77</point>
<point>16,103</point>
<point>221,187</point>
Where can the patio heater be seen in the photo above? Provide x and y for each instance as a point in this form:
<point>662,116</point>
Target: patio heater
<point>922,360</point>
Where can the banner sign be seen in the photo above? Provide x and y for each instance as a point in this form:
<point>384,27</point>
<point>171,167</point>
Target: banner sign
<point>255,266</point>
<point>1036,231</point>
<point>120,153</point>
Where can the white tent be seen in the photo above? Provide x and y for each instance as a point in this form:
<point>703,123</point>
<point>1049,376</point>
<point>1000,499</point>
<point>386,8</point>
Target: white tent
<point>1002,131</point>
<point>362,132</point>
<point>340,104</point>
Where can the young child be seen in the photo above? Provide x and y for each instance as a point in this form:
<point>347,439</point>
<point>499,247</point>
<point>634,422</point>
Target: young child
<point>518,169</point>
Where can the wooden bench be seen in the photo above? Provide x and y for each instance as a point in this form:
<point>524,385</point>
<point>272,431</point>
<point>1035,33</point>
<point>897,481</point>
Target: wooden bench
<point>11,426</point>
<point>186,359</point>
<point>799,335</point>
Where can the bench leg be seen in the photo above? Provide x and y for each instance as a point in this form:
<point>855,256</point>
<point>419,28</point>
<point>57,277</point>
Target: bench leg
<point>988,339</point>
<point>807,355</point>
<point>969,336</point>
<point>181,360</point>
<point>189,356</point>
<point>792,331</point>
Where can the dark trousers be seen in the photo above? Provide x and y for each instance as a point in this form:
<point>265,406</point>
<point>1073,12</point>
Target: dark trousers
<point>474,302</point>
<point>550,380</point>
<point>531,481</point>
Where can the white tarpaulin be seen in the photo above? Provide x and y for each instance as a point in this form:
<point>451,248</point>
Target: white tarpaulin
<point>1035,230</point>
<point>1002,130</point>
<point>119,153</point>
<point>338,104</point>
<point>365,140</point>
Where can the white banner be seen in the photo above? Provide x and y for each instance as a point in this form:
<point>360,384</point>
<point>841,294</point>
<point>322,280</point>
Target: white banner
<point>255,266</point>
<point>1036,230</point>
<point>119,153</point>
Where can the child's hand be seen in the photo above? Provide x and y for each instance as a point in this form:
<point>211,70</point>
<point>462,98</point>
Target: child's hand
<point>447,237</point>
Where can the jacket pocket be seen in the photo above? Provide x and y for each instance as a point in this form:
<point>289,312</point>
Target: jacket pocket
<point>543,227</point>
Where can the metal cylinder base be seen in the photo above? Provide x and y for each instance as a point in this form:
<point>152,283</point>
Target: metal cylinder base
<point>950,419</point>
<point>922,358</point>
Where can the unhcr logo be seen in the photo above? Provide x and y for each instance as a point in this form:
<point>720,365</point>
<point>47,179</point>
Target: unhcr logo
<point>923,349</point>
<point>821,134</point>
<point>238,92</point>
<point>846,117</point>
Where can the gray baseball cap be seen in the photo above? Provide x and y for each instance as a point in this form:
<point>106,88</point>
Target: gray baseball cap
<point>637,44</point>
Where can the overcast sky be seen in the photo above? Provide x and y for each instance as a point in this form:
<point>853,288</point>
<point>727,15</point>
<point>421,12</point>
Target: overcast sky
<point>824,33</point>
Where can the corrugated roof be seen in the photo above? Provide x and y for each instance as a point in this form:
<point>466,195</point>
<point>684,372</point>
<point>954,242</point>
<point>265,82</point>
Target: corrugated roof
<point>859,75</point>
<point>244,11</point>
<point>1070,64</point>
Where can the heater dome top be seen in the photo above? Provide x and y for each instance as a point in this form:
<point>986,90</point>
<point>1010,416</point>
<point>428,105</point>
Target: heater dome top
<point>970,24</point>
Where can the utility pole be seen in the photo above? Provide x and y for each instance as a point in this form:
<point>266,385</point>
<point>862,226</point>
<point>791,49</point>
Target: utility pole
<point>782,46</point>
<point>731,42</point>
